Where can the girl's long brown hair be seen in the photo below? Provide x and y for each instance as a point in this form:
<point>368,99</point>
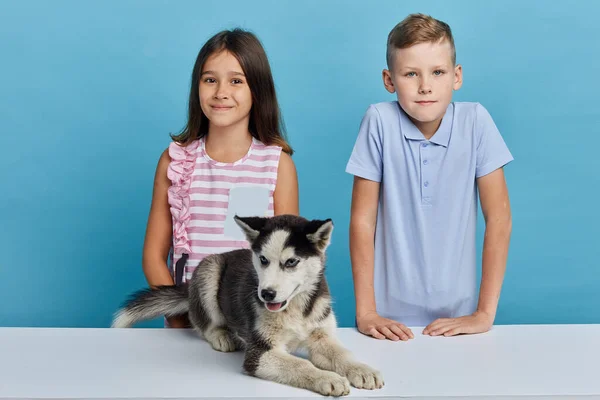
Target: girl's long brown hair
<point>265,123</point>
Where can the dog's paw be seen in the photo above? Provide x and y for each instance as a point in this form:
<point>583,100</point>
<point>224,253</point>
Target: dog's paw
<point>362,376</point>
<point>221,340</point>
<point>331,384</point>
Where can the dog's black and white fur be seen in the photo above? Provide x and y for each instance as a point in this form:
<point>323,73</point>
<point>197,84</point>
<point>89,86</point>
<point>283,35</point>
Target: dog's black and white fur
<point>270,300</point>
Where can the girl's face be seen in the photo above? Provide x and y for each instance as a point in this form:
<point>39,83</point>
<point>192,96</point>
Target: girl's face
<point>225,96</point>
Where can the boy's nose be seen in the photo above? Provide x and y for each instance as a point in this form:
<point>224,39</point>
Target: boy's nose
<point>424,85</point>
<point>425,89</point>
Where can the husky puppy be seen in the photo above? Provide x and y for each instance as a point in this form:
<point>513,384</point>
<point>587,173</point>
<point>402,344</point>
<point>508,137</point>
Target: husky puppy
<point>269,300</point>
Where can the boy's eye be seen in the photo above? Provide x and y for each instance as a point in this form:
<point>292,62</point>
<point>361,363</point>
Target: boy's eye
<point>263,260</point>
<point>438,72</point>
<point>410,74</point>
<point>292,262</point>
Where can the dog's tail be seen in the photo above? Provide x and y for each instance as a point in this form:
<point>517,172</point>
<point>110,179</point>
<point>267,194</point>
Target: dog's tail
<point>148,304</point>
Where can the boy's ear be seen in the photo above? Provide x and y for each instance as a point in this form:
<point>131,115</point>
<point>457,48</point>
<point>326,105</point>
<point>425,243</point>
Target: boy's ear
<point>387,81</point>
<point>319,233</point>
<point>458,77</point>
<point>251,226</point>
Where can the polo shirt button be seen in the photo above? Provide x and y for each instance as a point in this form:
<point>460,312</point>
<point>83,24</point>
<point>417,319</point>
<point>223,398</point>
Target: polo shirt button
<point>426,183</point>
<point>424,145</point>
<point>424,161</point>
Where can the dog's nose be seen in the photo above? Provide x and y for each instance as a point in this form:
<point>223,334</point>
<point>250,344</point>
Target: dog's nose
<point>268,294</point>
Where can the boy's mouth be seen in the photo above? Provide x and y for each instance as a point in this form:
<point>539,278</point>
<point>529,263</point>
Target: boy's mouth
<point>425,103</point>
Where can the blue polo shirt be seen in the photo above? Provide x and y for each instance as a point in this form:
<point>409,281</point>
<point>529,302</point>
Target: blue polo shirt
<point>425,245</point>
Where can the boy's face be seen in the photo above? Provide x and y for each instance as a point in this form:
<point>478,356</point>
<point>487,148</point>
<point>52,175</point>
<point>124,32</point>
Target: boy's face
<point>423,78</point>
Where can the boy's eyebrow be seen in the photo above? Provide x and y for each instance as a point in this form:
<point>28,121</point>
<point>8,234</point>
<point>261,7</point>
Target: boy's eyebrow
<point>230,72</point>
<point>435,67</point>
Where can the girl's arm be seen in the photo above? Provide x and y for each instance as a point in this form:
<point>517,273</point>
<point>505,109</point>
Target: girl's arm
<point>158,238</point>
<point>285,197</point>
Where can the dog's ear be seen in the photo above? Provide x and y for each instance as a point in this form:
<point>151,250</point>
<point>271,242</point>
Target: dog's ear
<point>319,233</point>
<point>250,225</point>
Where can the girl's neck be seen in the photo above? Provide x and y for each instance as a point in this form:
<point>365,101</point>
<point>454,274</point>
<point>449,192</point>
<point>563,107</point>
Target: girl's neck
<point>228,144</point>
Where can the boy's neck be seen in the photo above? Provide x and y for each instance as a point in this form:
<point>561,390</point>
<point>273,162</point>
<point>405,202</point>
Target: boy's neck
<point>428,129</point>
<point>228,144</point>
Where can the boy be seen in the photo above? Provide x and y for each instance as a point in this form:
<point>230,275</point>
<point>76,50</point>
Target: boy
<point>419,163</point>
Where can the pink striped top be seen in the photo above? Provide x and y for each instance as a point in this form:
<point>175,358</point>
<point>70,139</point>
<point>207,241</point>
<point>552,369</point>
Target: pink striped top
<point>199,198</point>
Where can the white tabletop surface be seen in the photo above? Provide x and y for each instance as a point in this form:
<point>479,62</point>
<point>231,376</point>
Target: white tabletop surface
<point>522,362</point>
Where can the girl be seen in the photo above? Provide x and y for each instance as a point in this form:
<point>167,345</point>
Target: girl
<point>231,158</point>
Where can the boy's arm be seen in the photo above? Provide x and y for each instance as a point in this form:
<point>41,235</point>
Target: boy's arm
<point>365,198</point>
<point>363,217</point>
<point>495,207</point>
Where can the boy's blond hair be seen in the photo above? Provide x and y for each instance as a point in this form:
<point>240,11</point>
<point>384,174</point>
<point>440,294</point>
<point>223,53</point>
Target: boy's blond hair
<point>415,29</point>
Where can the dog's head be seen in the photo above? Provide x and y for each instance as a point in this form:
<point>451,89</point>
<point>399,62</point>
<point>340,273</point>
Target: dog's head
<point>288,255</point>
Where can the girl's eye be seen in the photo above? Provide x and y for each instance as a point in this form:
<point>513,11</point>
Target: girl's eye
<point>209,80</point>
<point>237,81</point>
<point>292,262</point>
<point>263,260</point>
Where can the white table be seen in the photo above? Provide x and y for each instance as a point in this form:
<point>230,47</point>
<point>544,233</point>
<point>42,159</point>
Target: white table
<point>521,362</point>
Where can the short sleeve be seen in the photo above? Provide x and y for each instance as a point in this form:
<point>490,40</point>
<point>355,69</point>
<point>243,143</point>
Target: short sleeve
<point>492,152</point>
<point>366,160</point>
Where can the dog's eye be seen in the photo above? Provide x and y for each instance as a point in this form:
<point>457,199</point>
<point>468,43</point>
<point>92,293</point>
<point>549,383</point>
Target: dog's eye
<point>292,262</point>
<point>263,260</point>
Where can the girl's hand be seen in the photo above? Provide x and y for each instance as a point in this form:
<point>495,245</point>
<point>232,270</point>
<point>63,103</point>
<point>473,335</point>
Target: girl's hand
<point>478,322</point>
<point>181,322</point>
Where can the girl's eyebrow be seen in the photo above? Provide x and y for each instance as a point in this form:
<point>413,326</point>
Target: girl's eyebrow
<point>230,73</point>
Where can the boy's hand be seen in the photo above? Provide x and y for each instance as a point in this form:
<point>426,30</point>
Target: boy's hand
<point>478,322</point>
<point>372,324</point>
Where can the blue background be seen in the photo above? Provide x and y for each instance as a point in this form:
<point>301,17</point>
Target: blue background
<point>89,92</point>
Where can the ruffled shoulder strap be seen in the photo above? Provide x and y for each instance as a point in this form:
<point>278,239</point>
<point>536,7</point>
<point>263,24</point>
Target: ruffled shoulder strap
<point>179,172</point>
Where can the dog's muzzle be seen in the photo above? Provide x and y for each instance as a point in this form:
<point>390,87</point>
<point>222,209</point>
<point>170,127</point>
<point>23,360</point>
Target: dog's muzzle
<point>268,295</point>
